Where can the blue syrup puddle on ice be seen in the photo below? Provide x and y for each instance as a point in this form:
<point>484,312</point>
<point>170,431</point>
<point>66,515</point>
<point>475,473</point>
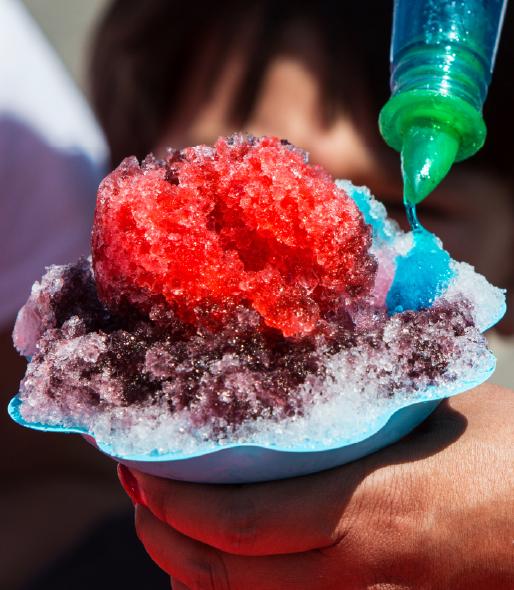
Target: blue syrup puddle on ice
<point>422,274</point>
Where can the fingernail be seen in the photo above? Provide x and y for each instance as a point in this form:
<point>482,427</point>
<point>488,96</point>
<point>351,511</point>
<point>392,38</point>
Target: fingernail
<point>129,483</point>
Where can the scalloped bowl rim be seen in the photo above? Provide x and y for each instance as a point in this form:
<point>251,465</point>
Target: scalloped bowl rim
<point>374,427</point>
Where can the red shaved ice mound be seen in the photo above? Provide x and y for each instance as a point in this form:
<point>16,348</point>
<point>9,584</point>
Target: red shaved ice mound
<point>247,222</point>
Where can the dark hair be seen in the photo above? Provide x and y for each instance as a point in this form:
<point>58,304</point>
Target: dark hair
<point>143,53</point>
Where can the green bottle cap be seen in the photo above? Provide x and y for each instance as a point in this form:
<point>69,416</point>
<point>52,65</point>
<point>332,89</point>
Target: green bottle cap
<point>432,131</point>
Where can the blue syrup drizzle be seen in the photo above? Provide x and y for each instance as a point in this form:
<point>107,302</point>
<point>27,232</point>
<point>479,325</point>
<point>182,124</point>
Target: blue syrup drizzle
<point>423,273</point>
<point>412,217</point>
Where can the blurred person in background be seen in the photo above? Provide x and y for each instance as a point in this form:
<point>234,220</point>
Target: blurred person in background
<point>168,73</point>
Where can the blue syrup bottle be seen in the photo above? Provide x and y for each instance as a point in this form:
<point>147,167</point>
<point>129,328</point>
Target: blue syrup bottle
<point>442,58</point>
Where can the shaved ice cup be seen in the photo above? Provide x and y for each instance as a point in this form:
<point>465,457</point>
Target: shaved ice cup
<point>248,463</point>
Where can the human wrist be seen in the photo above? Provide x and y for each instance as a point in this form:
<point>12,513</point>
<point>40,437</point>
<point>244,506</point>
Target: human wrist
<point>475,529</point>
<point>478,555</point>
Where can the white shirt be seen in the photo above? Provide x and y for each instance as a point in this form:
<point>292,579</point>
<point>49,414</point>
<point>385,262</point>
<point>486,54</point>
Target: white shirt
<point>52,158</point>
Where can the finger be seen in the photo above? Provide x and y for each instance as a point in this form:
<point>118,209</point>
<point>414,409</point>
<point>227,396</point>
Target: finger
<point>288,516</point>
<point>198,566</point>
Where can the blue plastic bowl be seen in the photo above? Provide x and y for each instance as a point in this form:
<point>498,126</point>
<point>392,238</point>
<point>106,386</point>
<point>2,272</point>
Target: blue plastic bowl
<point>247,463</point>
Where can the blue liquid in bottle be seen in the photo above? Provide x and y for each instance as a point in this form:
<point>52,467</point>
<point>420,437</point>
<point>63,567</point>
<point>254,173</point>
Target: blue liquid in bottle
<point>442,57</point>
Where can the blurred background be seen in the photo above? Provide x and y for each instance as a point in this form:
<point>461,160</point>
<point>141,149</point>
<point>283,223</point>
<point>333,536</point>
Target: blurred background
<point>83,84</point>
<point>64,516</point>
<point>67,24</point>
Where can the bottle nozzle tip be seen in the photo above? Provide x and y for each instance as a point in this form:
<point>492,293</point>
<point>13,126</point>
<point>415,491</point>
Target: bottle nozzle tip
<point>428,153</point>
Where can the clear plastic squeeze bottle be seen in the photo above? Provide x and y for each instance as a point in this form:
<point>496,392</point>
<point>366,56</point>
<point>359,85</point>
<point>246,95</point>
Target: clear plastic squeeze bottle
<point>442,57</point>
